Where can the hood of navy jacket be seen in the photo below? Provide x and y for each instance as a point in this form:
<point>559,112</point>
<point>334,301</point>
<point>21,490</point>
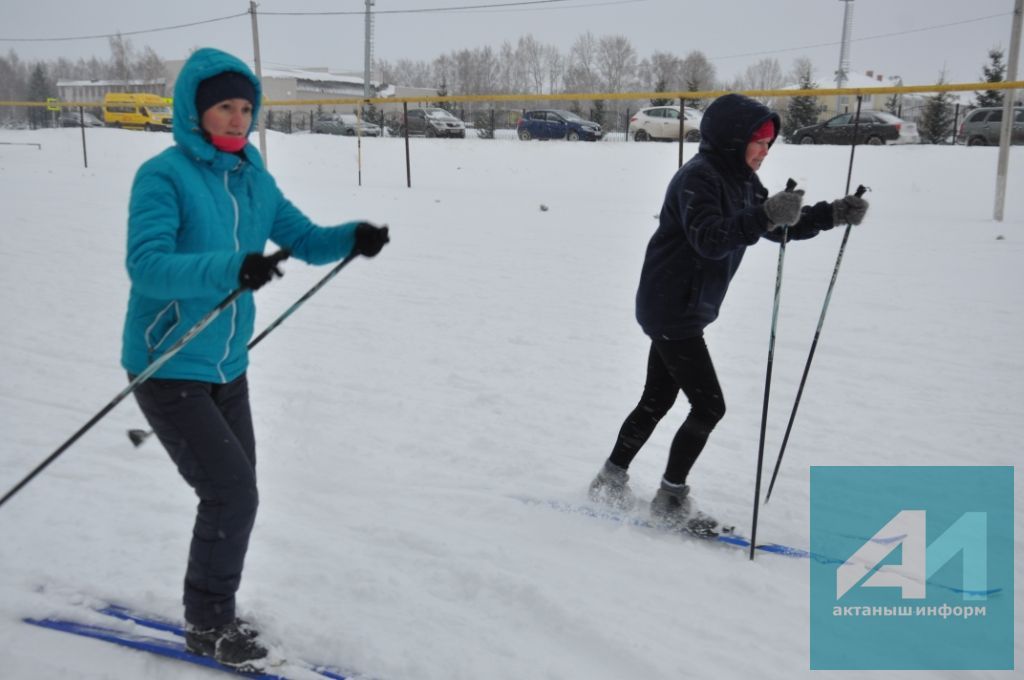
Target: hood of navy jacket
<point>726,128</point>
<point>205,63</point>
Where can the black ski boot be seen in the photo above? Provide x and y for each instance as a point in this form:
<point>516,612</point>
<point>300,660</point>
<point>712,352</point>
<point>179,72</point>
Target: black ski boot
<point>234,644</point>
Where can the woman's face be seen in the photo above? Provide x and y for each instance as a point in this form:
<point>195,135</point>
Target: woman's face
<point>756,153</point>
<point>228,118</point>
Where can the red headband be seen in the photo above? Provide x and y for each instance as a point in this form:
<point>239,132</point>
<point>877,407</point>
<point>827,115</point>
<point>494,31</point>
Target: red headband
<point>766,131</point>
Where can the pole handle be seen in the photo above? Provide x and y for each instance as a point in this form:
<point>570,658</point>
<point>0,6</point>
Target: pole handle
<point>861,190</point>
<point>790,184</point>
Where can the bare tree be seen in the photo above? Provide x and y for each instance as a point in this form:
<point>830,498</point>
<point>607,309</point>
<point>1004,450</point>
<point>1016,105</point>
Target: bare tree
<point>530,55</point>
<point>661,69</point>
<point>122,55</point>
<point>766,74</point>
<point>149,66</point>
<point>554,67</point>
<point>512,75</point>
<point>616,63</point>
<point>581,73</point>
<point>406,72</point>
<point>697,73</point>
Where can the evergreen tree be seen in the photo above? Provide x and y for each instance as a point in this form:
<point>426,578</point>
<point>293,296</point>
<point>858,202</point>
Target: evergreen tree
<point>484,123</point>
<point>994,72</point>
<point>661,86</point>
<point>442,91</point>
<point>39,88</point>
<point>597,114</point>
<point>802,110</point>
<point>936,123</point>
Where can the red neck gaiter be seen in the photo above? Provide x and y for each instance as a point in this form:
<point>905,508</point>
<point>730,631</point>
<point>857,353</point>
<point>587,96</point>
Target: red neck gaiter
<point>228,143</point>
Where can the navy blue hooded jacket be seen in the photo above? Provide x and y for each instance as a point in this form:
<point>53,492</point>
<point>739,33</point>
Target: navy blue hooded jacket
<point>713,210</point>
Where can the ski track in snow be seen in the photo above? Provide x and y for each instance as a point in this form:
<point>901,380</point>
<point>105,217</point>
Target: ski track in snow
<point>490,351</point>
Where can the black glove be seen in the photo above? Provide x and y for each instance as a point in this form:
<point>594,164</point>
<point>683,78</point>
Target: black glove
<point>784,207</point>
<point>370,239</point>
<point>849,210</point>
<point>257,269</point>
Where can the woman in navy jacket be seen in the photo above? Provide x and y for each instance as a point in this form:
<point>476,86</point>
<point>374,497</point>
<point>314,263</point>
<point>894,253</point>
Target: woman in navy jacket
<point>200,216</point>
<point>715,207</point>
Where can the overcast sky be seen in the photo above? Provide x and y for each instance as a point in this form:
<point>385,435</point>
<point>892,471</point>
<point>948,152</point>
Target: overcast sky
<point>930,34</point>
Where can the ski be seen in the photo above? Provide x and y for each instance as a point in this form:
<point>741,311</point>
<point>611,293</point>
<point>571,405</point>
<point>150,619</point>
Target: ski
<point>172,644</point>
<point>726,538</point>
<point>731,540</point>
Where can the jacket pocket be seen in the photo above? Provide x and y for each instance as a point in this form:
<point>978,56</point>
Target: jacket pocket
<point>162,326</point>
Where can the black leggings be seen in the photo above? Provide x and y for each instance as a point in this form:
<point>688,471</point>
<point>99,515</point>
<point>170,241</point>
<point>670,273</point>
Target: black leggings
<point>674,365</point>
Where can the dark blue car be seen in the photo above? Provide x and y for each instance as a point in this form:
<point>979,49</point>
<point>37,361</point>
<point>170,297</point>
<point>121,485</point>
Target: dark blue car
<point>556,124</point>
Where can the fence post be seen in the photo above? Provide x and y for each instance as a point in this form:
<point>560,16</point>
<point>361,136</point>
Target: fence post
<point>627,123</point>
<point>405,129</point>
<point>81,123</point>
<point>956,118</point>
<point>682,115</point>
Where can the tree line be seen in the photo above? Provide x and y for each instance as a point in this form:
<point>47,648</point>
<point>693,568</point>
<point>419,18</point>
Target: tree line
<point>607,63</point>
<point>35,81</point>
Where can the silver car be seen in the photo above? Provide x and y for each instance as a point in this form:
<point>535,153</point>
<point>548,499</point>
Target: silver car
<point>345,124</point>
<point>981,127</point>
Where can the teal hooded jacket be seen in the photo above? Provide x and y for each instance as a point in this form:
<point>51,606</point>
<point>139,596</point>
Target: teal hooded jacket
<point>195,213</point>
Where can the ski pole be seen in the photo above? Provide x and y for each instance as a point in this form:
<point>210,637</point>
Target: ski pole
<point>810,356</point>
<point>137,436</point>
<point>790,185</point>
<point>138,380</point>
<point>824,308</point>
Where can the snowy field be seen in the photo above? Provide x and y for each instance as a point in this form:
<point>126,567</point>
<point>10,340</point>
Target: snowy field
<point>490,351</point>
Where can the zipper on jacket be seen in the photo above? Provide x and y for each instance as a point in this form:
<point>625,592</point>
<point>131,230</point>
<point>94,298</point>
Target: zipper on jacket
<point>234,305</point>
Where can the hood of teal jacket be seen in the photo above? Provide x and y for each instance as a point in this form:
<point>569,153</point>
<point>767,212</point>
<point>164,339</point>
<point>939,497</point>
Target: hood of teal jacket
<point>205,63</point>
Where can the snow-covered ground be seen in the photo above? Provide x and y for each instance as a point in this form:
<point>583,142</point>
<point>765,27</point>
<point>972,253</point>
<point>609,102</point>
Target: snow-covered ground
<point>490,351</point>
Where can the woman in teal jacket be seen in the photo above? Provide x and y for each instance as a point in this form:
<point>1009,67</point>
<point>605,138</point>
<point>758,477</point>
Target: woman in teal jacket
<point>200,216</point>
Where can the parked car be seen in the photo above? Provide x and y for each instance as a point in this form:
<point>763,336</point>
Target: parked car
<point>345,124</point>
<point>876,127</point>
<point>982,127</point>
<point>72,119</point>
<point>557,124</point>
<point>662,122</point>
<point>433,123</point>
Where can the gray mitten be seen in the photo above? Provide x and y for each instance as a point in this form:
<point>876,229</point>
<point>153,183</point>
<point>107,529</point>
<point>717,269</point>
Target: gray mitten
<point>849,210</point>
<point>784,207</point>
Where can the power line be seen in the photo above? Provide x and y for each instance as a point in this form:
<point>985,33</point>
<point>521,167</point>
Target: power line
<point>870,37</point>
<point>124,33</point>
<point>418,11</point>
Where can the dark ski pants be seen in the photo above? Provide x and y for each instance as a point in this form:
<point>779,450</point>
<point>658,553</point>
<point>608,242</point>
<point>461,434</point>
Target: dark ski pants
<point>207,430</point>
<point>674,365</point>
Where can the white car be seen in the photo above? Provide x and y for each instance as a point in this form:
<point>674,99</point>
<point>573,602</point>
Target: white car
<point>908,131</point>
<point>662,122</point>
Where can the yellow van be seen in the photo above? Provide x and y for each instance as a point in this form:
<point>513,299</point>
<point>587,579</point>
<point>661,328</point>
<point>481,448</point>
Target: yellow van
<point>140,110</point>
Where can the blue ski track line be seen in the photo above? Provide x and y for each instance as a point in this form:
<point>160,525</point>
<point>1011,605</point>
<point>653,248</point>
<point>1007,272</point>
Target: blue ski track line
<point>171,648</point>
<point>731,539</point>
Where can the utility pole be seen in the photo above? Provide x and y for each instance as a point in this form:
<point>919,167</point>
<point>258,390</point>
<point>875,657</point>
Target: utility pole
<point>368,49</point>
<point>844,54</point>
<point>259,76</point>
<point>1008,98</point>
